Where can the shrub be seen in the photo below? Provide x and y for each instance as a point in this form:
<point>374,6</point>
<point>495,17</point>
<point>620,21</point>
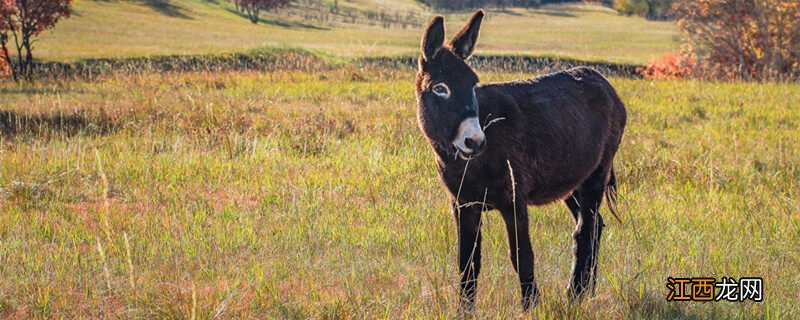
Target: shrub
<point>631,7</point>
<point>742,39</point>
<point>650,9</point>
<point>4,71</point>
<point>671,66</point>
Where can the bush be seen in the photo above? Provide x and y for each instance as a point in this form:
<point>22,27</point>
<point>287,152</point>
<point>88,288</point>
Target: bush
<point>742,39</point>
<point>631,7</point>
<point>671,66</point>
<point>650,9</point>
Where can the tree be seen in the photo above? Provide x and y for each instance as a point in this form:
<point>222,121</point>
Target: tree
<point>22,21</point>
<point>252,8</point>
<point>650,9</point>
<point>5,10</point>
<point>742,39</point>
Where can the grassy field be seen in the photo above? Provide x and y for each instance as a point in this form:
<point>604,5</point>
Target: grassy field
<point>296,194</point>
<point>286,194</point>
<point>113,29</point>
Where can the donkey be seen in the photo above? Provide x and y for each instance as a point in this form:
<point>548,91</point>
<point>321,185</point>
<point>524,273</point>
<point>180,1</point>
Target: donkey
<point>508,145</point>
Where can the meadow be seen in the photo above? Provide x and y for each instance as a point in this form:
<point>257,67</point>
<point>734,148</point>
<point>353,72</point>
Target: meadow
<point>121,29</point>
<point>313,195</point>
<point>305,189</point>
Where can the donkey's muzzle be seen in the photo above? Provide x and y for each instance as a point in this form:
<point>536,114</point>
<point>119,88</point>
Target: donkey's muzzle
<point>476,144</point>
<point>470,140</point>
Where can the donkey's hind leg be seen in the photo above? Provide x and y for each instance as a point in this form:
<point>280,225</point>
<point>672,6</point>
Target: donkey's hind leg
<point>573,204</point>
<point>584,205</point>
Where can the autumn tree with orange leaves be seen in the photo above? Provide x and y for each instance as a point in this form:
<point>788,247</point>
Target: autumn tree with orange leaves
<point>4,71</point>
<point>20,22</point>
<point>742,39</point>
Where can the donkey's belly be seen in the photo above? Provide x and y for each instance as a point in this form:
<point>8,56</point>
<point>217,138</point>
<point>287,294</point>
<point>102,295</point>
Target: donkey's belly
<point>539,197</point>
<point>565,177</point>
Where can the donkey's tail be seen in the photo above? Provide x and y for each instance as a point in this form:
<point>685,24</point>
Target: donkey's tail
<point>611,194</point>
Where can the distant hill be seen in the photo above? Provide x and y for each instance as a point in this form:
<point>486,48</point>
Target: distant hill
<point>357,28</point>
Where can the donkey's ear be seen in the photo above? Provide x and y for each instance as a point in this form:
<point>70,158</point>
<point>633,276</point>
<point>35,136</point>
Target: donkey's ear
<point>433,41</point>
<point>464,41</point>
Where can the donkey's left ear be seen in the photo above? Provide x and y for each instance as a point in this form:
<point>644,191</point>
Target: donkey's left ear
<point>464,41</point>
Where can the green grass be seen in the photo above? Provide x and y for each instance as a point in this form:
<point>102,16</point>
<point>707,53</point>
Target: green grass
<point>294,195</point>
<point>117,29</point>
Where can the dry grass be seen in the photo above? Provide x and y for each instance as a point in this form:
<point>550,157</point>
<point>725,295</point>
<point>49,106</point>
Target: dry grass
<point>294,195</point>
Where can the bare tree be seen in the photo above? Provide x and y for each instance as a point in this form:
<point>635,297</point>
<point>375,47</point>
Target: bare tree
<point>253,8</point>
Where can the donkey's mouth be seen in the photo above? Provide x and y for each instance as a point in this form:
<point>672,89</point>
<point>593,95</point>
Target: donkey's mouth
<point>467,155</point>
<point>470,147</point>
<point>469,138</point>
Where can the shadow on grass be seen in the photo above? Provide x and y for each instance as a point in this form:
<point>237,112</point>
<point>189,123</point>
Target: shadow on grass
<point>280,23</point>
<point>510,12</point>
<point>51,125</point>
<point>167,8</point>
<point>28,90</point>
<point>654,307</point>
<point>562,14</point>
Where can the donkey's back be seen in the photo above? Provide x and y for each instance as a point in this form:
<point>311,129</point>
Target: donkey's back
<point>567,125</point>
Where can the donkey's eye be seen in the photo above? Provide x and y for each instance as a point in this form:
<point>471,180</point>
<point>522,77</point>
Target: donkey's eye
<point>441,89</point>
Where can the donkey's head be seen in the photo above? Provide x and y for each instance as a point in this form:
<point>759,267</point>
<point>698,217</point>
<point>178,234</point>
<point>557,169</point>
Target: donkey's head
<point>447,106</point>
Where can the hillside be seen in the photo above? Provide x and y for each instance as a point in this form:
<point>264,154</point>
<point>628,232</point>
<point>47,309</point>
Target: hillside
<point>157,27</point>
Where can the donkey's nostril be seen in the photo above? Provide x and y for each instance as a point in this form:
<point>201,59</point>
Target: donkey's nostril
<point>476,146</point>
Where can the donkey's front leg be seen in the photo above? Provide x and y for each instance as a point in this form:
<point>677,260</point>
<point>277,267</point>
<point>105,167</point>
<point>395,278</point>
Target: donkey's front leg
<point>516,219</point>
<point>469,252</point>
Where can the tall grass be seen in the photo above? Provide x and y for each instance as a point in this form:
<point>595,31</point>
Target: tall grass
<point>292,194</point>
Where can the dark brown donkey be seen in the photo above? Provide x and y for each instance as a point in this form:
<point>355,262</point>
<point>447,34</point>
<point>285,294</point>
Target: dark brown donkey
<point>556,135</point>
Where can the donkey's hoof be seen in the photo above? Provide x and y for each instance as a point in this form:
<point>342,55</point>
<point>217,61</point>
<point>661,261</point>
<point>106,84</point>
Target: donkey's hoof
<point>466,311</point>
<point>575,293</point>
<point>530,301</point>
<point>466,308</point>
